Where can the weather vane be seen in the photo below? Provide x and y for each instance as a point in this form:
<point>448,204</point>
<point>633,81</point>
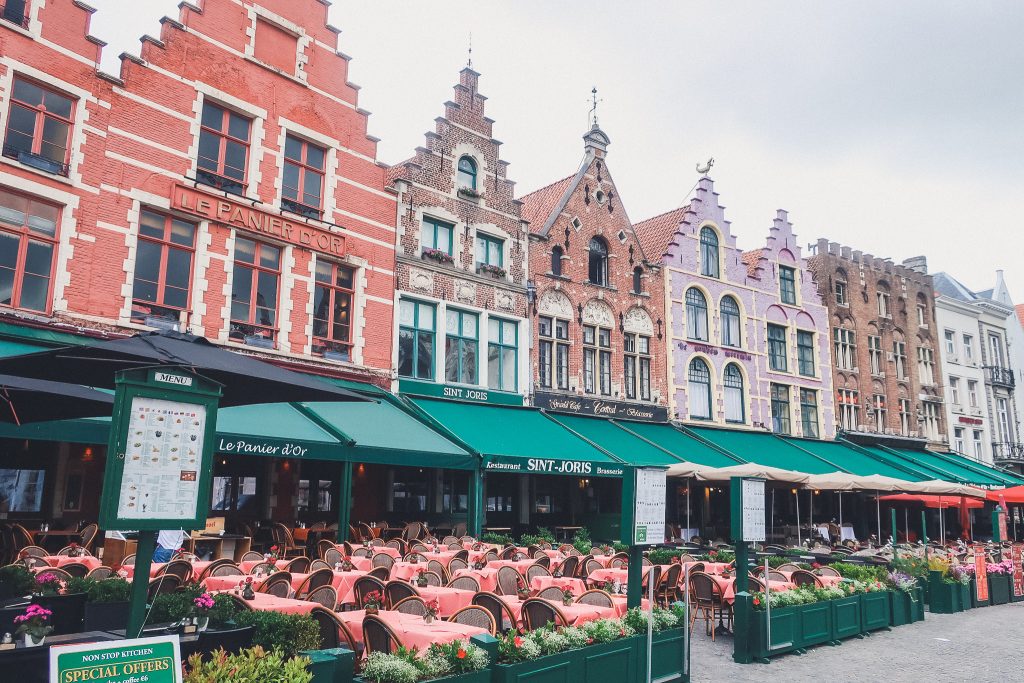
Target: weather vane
<point>593,106</point>
<point>469,61</point>
<point>705,168</point>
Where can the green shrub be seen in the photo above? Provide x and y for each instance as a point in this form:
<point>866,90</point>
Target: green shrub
<point>581,541</point>
<point>663,555</point>
<point>859,572</point>
<point>224,610</point>
<point>636,619</point>
<point>289,633</point>
<point>114,589</point>
<point>619,547</point>
<point>250,665</point>
<point>172,607</point>
<point>15,581</point>
<point>498,539</point>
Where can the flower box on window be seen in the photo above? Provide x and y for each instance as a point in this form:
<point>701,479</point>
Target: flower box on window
<point>38,161</point>
<point>492,270</point>
<point>438,255</point>
<point>470,193</point>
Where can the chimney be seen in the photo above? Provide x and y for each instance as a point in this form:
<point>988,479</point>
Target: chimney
<point>918,264</point>
<point>596,142</point>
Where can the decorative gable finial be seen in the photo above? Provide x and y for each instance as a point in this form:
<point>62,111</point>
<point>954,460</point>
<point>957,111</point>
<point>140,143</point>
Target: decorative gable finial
<point>593,106</point>
<point>706,168</point>
<point>469,60</point>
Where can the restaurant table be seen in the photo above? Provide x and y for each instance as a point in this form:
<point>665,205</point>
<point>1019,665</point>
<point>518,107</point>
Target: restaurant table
<point>362,563</point>
<point>248,565</point>
<point>709,567</point>
<point>611,575</point>
<point>393,552</point>
<point>198,567</point>
<point>728,586</point>
<point>449,600</point>
<point>406,571</point>
<point>498,529</point>
<point>575,613</point>
<point>563,532</point>
<point>411,630</point>
<point>539,583</point>
<point>486,577</point>
<point>519,565</point>
<point>61,560</point>
<point>55,538</point>
<point>271,603</point>
<point>32,664</point>
<point>825,580</point>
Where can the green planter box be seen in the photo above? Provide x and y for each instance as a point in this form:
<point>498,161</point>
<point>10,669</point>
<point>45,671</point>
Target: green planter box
<point>900,604</point>
<point>998,589</point>
<point>331,666</point>
<point>966,591</point>
<point>917,605</point>
<point>975,602</point>
<point>945,597</point>
<point>785,632</point>
<point>815,624</point>
<point>557,668</point>
<point>845,617</point>
<point>482,676</point>
<point>874,611</point>
<point>923,585</point>
<point>611,662</point>
<point>668,650</point>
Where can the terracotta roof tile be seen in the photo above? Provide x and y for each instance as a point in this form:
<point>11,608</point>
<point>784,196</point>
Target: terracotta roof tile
<point>539,204</point>
<point>751,259</point>
<point>656,233</point>
<point>1020,313</point>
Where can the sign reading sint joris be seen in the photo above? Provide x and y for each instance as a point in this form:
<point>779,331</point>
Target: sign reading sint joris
<point>553,466</point>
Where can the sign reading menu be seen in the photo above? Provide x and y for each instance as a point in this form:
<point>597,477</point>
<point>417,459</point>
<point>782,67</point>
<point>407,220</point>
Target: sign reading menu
<point>1018,570</point>
<point>980,572</point>
<point>753,510</point>
<point>149,660</point>
<point>649,506</point>
<point>161,464</point>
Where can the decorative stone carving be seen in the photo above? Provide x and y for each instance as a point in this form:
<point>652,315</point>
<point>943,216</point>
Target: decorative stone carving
<point>465,291</point>
<point>638,321</point>
<point>598,313</point>
<point>421,280</point>
<point>504,300</point>
<point>555,304</point>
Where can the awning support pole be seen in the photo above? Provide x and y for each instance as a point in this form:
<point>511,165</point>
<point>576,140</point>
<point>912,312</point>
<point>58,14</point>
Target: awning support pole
<point>840,514</point>
<point>688,527</point>
<point>799,541</point>
<point>878,512</point>
<point>345,502</point>
<point>475,520</point>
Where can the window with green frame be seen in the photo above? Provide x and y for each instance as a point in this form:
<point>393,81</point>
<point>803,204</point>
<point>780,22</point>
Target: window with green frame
<point>809,412</point>
<point>502,355</point>
<point>780,409</point>
<point>805,352</point>
<point>489,251</point>
<point>460,346</point>
<point>437,234</point>
<point>416,339</point>
<point>777,348</point>
<point>787,285</point>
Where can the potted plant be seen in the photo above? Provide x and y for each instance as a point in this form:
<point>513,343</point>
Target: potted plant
<point>34,625</point>
<point>106,602</point>
<point>875,609</point>
<point>999,577</point>
<point>902,598</point>
<point>432,608</point>
<point>202,606</point>
<point>421,577</point>
<point>522,590</point>
<point>272,556</point>
<point>247,591</point>
<point>48,584</point>
<point>288,633</point>
<point>16,582</point>
<point>567,596</point>
<point>492,270</point>
<point>372,602</point>
<point>846,611</point>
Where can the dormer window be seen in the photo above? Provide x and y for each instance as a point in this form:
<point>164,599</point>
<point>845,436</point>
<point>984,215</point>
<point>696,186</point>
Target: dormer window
<point>467,173</point>
<point>598,263</point>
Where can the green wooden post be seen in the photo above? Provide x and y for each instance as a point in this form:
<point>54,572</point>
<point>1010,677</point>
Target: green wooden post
<point>892,512</point>
<point>345,501</point>
<point>924,534</point>
<point>742,607</point>
<point>140,583</point>
<point>475,521</point>
<point>996,536</point>
<point>744,528</point>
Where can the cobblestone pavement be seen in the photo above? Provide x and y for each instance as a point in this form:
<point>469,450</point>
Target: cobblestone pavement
<point>980,645</point>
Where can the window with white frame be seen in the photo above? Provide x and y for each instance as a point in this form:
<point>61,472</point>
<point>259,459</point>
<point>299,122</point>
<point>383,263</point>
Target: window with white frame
<point>223,156</point>
<point>848,407</point>
<point>416,339</point>
<point>805,352</point>
<point>878,412</point>
<point>922,316</point>
<point>809,413</point>
<point>883,304</point>
<point>979,448</point>
<point>845,348</point>
<point>554,352</point>
<point>950,337</point>
<point>931,419</point>
<point>968,348</point>
<point>780,409</point>
<point>972,392</point>
<point>735,406</point>
<point>461,346</point>
<point>777,354</point>
<point>787,285</point>
<point>958,440</point>
<point>842,298</point>
<point>597,360</point>
<point>502,355</point>
<point>708,252</point>
<point>730,311</point>
<point>954,391</point>
<point>995,346</point>
<point>875,354</point>
<point>699,389</point>
<point>905,416</point>
<point>899,357</point>
<point>926,365</point>
<point>696,315</point>
<point>1003,416</point>
<point>637,365</point>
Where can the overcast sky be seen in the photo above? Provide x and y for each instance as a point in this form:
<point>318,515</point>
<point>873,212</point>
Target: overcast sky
<point>894,128</point>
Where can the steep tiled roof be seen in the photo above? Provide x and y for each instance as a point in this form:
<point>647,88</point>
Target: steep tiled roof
<point>947,285</point>
<point>751,259</point>
<point>1020,313</point>
<point>656,233</point>
<point>539,204</point>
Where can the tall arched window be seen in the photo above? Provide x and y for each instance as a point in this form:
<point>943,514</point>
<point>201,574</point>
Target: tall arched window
<point>598,271</point>
<point>556,261</point>
<point>699,389</point>
<point>467,173</point>
<point>730,322</point>
<point>638,280</point>
<point>708,252</point>
<point>732,380</point>
<point>696,315</point>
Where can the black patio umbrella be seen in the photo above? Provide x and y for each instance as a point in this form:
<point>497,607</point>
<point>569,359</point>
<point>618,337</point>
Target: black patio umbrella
<point>23,399</point>
<point>245,379</point>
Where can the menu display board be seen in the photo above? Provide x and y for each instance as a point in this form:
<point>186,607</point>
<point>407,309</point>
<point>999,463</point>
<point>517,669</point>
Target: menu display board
<point>649,507</point>
<point>1018,570</point>
<point>980,572</point>
<point>162,460</point>
<point>753,510</point>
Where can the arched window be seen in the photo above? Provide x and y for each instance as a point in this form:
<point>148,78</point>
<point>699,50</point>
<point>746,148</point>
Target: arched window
<point>730,322</point>
<point>598,270</point>
<point>699,388</point>
<point>467,173</point>
<point>696,315</point>
<point>556,261</point>
<point>708,252</point>
<point>638,280</point>
<point>732,379</point>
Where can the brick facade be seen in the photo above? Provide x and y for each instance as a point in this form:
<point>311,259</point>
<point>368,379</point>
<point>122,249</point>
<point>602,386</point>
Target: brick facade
<point>135,140</point>
<point>567,216</point>
<point>862,385</point>
<point>430,189</point>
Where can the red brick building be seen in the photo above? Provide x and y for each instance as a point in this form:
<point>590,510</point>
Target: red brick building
<point>599,300</point>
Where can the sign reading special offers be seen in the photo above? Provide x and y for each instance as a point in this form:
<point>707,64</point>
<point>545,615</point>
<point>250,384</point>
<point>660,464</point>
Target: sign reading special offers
<point>143,660</point>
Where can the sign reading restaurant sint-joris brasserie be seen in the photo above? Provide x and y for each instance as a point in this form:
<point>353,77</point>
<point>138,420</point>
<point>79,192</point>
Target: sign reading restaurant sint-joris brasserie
<point>582,468</point>
<point>245,217</point>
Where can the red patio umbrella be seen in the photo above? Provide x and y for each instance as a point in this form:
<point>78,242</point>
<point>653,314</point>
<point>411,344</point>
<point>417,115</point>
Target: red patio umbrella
<point>1010,495</point>
<point>933,501</point>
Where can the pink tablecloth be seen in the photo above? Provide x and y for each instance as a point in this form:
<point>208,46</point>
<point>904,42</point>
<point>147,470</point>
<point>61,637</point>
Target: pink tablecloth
<point>406,571</point>
<point>449,600</point>
<point>61,560</point>
<point>574,613</point>
<point>521,566</point>
<point>487,577</point>
<point>197,568</point>
<point>709,567</point>
<point>611,575</point>
<point>728,586</point>
<point>825,580</point>
<point>270,603</point>
<point>619,601</point>
<point>248,565</point>
<point>539,583</point>
<point>411,630</point>
<point>393,552</point>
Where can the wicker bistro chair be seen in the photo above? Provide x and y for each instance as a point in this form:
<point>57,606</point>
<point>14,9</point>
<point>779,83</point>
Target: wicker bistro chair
<point>76,569</point>
<point>361,552</point>
<point>538,613</point>
<point>433,579</point>
<point>324,595</point>
<point>591,566</point>
<point>551,593</point>
<point>333,632</point>
<point>508,580</point>
<point>317,579</point>
<point>210,567</point>
<point>34,551</point>
<point>536,570</point>
<point>504,618</point>
<point>439,569</point>
<point>685,557</point>
<point>378,636</point>
<point>382,573</point>
<point>319,564</point>
<point>465,583</point>
<point>455,564</point>
<point>474,615</point>
<point>284,541</point>
<point>706,600</point>
<point>449,540</point>
<point>491,555</point>
<point>828,571</point>
<point>413,604</point>
<point>229,569</point>
<point>365,585</point>
<point>544,561</point>
<point>88,535</point>
<point>787,567</point>
<point>802,577</point>
<point>569,566</point>
<point>455,545</point>
<point>249,556</point>
<point>755,584</point>
<point>180,568</point>
<point>279,585</point>
<point>396,543</point>
<point>667,590</point>
<point>300,565</point>
<point>394,591</point>
<point>129,560</point>
<point>333,556</point>
<point>32,561</point>
<point>263,568</point>
<point>419,557</point>
<point>776,575</point>
<point>508,553</point>
<point>100,573</point>
<point>66,550</point>
<point>168,583</point>
<point>383,560</point>
<point>322,546</point>
<point>619,561</point>
<point>597,598</point>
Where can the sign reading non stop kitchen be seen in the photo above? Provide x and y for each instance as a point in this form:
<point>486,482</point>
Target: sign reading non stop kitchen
<point>143,660</point>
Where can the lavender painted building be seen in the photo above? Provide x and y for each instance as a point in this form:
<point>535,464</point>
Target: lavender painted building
<point>748,346</point>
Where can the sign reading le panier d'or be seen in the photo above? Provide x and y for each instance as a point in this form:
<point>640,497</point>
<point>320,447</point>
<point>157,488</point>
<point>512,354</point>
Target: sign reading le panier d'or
<point>649,506</point>
<point>143,660</point>
<point>575,405</point>
<point>239,215</point>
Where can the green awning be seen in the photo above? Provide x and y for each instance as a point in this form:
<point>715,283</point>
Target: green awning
<point>765,449</point>
<point>682,445</point>
<point>518,439</point>
<point>610,437</point>
<point>1008,478</point>
<point>855,461</point>
<point>946,469</point>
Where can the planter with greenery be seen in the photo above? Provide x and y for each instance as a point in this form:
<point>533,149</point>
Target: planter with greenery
<point>785,630</point>
<point>15,582</point>
<point>455,662</point>
<point>173,607</point>
<point>846,617</point>
<point>999,575</point>
<point>255,664</point>
<point>875,609</point>
<point>288,633</point>
<point>106,602</point>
